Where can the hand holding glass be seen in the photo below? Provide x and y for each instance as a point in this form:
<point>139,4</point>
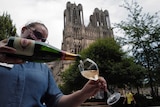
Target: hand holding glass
<point>90,70</point>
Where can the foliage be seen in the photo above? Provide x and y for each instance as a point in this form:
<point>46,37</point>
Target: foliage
<point>72,79</point>
<point>7,29</point>
<point>142,33</point>
<point>128,73</point>
<point>105,52</point>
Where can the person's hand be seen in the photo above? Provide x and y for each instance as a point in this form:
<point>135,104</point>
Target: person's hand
<point>5,49</point>
<point>92,87</point>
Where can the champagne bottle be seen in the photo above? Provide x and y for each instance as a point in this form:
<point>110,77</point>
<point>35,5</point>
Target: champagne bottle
<point>34,51</point>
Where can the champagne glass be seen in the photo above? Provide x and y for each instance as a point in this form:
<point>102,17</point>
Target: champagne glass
<point>89,69</point>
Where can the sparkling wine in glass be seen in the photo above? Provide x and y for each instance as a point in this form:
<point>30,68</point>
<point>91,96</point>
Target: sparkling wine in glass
<point>89,69</point>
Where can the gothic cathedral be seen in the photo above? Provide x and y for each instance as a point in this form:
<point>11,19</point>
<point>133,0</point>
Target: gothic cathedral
<point>77,36</point>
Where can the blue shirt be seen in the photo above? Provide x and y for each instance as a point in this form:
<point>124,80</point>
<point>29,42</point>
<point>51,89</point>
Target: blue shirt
<point>28,85</point>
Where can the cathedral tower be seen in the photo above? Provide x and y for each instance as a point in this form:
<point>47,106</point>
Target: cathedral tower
<point>73,28</point>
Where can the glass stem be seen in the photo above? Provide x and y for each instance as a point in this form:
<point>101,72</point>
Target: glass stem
<point>108,93</point>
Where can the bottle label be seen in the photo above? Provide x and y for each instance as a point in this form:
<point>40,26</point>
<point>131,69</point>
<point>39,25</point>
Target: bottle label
<point>24,46</point>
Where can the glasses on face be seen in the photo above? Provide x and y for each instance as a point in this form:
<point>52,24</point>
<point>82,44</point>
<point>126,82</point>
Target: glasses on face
<point>37,34</point>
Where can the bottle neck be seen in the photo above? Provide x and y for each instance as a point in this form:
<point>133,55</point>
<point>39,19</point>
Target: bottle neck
<point>71,56</point>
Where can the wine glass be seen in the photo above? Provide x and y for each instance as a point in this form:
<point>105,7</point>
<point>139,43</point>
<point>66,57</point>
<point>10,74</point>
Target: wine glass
<point>89,69</point>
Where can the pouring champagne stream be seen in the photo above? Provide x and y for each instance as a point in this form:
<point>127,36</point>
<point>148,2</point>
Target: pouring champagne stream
<point>89,69</point>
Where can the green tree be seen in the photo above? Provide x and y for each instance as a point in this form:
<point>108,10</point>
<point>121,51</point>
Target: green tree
<point>105,52</point>
<point>72,79</point>
<point>142,34</point>
<point>109,57</point>
<point>127,73</point>
<point>7,29</point>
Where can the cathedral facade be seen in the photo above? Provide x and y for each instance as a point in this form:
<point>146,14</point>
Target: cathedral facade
<point>77,36</point>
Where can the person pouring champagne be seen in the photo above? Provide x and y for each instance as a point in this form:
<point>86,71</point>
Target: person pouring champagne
<point>30,83</point>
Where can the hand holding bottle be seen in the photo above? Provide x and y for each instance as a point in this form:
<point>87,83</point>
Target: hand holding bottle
<point>5,49</point>
<point>35,51</point>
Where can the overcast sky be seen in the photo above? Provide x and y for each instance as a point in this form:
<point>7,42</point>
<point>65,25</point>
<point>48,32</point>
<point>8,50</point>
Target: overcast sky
<point>50,12</point>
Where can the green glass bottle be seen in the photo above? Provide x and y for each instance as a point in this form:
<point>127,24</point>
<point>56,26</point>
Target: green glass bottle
<point>34,51</point>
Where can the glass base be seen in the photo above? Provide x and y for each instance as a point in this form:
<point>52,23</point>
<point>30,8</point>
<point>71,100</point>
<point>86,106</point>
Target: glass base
<point>113,98</point>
